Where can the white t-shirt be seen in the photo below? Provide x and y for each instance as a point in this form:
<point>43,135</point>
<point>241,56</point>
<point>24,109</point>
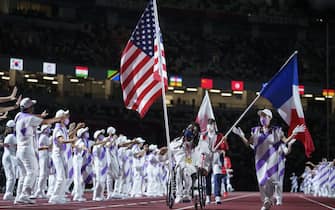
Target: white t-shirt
<point>26,125</point>
<point>11,141</point>
<point>78,147</point>
<point>57,147</point>
<point>42,142</point>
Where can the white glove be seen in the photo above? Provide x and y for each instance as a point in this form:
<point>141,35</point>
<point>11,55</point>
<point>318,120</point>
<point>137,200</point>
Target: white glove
<point>238,131</point>
<point>299,129</point>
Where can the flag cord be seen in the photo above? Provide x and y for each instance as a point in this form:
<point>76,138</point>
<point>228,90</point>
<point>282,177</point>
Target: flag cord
<point>166,120</point>
<point>237,121</point>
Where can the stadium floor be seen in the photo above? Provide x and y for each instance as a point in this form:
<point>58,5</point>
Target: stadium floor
<point>235,201</point>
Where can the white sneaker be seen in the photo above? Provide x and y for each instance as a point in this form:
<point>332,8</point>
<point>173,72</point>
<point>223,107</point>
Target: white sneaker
<point>279,201</point>
<point>267,204</point>
<point>187,198</point>
<point>208,199</point>
<point>8,197</point>
<point>178,199</point>
<point>218,200</point>
<point>26,199</point>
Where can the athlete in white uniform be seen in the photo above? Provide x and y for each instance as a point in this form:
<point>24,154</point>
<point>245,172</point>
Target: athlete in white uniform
<point>43,160</point>
<point>181,150</point>
<point>100,166</point>
<point>138,161</point>
<point>266,140</point>
<point>26,124</point>
<point>9,160</point>
<point>113,171</point>
<point>60,138</point>
<point>80,150</point>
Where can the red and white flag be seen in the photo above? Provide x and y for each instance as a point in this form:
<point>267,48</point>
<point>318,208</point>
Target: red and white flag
<point>139,72</point>
<point>205,113</point>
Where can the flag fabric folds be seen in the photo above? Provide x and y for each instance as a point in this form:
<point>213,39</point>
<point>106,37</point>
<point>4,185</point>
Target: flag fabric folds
<point>205,112</point>
<point>141,62</point>
<point>283,92</point>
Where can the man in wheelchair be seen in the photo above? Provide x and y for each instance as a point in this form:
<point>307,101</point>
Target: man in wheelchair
<point>182,149</point>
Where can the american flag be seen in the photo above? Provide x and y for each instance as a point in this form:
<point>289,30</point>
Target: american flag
<point>140,78</point>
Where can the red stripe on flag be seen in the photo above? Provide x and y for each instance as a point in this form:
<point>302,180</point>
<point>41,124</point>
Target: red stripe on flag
<point>135,87</point>
<point>143,94</point>
<point>137,69</point>
<point>150,102</point>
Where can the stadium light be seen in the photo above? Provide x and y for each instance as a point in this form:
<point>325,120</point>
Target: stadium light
<point>238,92</point>
<point>32,80</point>
<point>179,91</point>
<point>54,82</point>
<point>319,99</point>
<point>26,76</point>
<point>308,95</point>
<point>2,73</point>
<point>226,94</point>
<point>5,78</point>
<point>215,91</point>
<point>170,88</point>
<point>48,78</point>
<point>191,89</point>
<point>74,80</point>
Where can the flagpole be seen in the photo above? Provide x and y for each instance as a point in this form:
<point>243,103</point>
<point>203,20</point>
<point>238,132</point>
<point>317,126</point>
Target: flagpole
<point>237,121</point>
<point>253,102</point>
<point>166,120</point>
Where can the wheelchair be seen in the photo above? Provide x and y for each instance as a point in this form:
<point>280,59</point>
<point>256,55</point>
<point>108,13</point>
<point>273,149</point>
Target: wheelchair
<point>198,189</point>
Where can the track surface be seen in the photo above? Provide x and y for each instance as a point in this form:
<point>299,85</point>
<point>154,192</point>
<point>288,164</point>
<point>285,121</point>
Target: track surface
<point>235,201</point>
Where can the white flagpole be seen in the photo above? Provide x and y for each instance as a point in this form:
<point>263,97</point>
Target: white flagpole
<point>252,103</point>
<point>237,121</point>
<point>166,120</point>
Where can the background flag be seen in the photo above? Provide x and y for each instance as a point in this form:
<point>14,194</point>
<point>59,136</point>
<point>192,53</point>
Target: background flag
<point>16,64</point>
<point>139,72</point>
<point>82,71</point>
<point>49,68</point>
<point>283,92</point>
<point>205,112</point>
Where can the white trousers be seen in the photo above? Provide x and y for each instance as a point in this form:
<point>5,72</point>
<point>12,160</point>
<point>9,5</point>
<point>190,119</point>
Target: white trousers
<point>60,184</point>
<point>267,190</point>
<point>43,163</point>
<point>29,168</point>
<point>9,167</point>
<point>184,179</point>
<point>77,176</point>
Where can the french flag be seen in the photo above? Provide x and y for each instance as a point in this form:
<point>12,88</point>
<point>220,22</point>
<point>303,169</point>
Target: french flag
<point>283,92</point>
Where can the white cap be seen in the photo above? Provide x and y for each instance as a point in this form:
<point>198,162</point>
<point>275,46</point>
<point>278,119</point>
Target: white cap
<point>43,127</point>
<point>153,147</point>
<point>267,112</point>
<point>122,138</point>
<point>98,132</point>
<point>62,113</point>
<point>81,131</point>
<point>27,103</point>
<point>140,140</point>
<point>111,130</point>
<point>10,124</point>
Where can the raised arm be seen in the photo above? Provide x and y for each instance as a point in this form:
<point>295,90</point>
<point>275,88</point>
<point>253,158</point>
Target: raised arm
<point>11,97</point>
<point>238,131</point>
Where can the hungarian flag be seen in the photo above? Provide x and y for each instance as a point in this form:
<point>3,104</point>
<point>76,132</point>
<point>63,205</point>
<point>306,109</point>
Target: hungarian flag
<point>283,92</point>
<point>82,71</point>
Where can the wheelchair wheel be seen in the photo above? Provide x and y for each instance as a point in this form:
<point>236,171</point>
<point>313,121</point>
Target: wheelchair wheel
<point>171,191</point>
<point>201,189</point>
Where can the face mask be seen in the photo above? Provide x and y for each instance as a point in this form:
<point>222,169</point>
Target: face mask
<point>210,127</point>
<point>86,135</point>
<point>265,121</point>
<point>47,131</point>
<point>66,121</point>
<point>101,137</point>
